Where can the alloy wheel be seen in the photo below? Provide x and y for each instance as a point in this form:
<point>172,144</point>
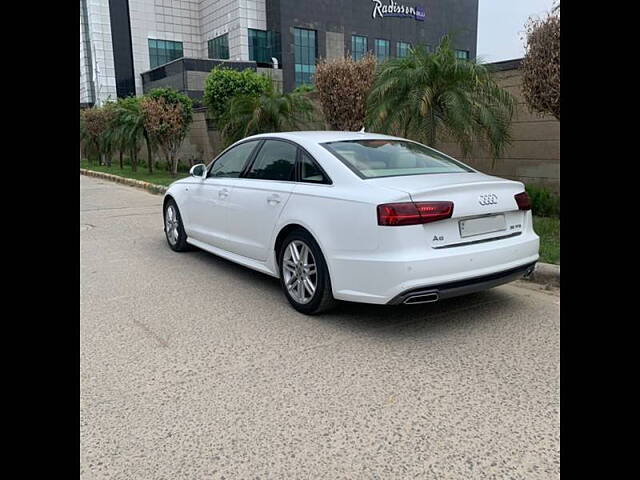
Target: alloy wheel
<point>300,271</point>
<point>171,225</point>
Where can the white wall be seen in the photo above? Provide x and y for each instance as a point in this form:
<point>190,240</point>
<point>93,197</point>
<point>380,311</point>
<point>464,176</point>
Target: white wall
<point>165,20</point>
<point>98,35</point>
<point>233,17</point>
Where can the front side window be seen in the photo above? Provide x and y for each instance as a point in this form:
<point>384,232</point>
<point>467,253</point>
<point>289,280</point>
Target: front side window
<point>163,51</point>
<point>402,49</point>
<point>304,45</point>
<point>382,49</point>
<point>462,54</point>
<point>275,161</point>
<point>231,163</point>
<point>219,47</point>
<point>391,158</point>
<point>358,46</point>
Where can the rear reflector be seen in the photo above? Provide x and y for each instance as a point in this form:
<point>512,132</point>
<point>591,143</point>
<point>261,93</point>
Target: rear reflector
<point>523,201</point>
<point>410,213</point>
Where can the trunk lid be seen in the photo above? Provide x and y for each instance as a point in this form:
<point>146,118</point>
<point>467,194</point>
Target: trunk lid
<point>479,203</point>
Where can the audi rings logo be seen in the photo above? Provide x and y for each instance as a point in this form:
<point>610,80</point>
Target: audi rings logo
<point>488,199</point>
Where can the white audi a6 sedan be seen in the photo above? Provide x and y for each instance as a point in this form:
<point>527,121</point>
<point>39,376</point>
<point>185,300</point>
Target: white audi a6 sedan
<point>354,216</point>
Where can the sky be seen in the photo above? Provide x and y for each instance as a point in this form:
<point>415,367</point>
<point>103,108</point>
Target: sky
<point>501,24</point>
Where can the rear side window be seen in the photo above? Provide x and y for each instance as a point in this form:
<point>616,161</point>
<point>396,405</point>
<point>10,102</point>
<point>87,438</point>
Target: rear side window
<point>275,161</point>
<point>309,170</point>
<point>390,158</point>
<point>231,163</point>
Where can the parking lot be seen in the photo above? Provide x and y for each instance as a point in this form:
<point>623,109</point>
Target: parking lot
<point>193,367</point>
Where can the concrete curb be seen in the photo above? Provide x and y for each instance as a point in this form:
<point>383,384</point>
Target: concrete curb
<point>150,187</point>
<point>546,274</point>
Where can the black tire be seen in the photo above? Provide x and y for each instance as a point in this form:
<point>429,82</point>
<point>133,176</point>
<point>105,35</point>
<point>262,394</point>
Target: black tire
<point>322,298</point>
<point>179,245</point>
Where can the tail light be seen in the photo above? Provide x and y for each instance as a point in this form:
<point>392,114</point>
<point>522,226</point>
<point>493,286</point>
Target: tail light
<point>523,201</point>
<point>413,213</point>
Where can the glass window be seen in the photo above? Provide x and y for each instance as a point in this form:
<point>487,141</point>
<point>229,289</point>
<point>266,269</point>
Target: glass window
<point>462,54</point>
<point>309,171</point>
<point>304,51</point>
<point>382,49</point>
<point>390,158</point>
<point>163,51</point>
<point>219,47</point>
<point>275,161</point>
<point>263,45</point>
<point>231,163</point>
<point>402,49</point>
<point>358,46</point>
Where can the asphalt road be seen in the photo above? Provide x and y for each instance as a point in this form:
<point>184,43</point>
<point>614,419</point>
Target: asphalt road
<point>193,367</point>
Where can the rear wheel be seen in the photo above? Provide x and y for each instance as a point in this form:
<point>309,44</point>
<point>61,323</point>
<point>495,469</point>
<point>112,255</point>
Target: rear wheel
<point>304,275</point>
<point>173,228</point>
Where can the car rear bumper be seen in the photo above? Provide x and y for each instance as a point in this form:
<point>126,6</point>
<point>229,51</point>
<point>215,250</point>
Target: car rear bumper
<point>383,278</point>
<point>434,293</point>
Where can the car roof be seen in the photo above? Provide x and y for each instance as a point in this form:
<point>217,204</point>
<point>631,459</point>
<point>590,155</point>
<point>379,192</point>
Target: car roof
<point>323,136</point>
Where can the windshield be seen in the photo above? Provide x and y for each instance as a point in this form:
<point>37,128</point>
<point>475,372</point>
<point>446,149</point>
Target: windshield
<point>391,158</point>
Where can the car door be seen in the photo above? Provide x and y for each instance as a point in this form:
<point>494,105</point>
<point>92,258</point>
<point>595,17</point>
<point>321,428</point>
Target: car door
<point>208,213</point>
<point>258,198</point>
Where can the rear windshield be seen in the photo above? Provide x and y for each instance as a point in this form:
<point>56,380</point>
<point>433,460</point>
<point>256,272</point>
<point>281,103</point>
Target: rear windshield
<point>391,158</point>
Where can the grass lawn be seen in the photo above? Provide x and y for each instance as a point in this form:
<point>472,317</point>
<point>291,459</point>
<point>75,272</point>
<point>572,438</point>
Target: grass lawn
<point>159,177</point>
<point>548,228</point>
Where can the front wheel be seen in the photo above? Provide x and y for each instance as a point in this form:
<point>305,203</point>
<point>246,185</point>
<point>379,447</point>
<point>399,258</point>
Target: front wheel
<point>304,275</point>
<point>173,228</point>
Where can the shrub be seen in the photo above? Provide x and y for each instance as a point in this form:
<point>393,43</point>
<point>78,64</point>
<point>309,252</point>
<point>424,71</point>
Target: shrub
<point>167,115</point>
<point>94,130</point>
<point>304,88</point>
<point>343,85</point>
<point>541,65</point>
<point>544,203</point>
<point>173,97</point>
<point>222,84</point>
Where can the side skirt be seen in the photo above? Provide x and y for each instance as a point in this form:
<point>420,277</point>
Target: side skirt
<point>261,267</point>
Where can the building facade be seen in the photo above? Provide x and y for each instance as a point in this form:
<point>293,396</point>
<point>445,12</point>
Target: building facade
<point>120,40</point>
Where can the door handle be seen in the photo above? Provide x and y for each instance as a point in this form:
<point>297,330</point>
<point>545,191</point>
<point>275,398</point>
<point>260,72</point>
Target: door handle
<point>224,193</point>
<point>273,199</point>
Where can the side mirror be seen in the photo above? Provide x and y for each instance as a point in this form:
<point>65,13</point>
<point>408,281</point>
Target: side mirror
<point>197,170</point>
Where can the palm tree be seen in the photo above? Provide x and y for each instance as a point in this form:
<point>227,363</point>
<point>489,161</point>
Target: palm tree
<point>117,133</point>
<point>132,131</point>
<point>428,97</point>
<point>271,111</point>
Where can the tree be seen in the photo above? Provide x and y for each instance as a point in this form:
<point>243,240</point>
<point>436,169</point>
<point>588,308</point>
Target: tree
<point>167,115</point>
<point>343,85</point>
<point>131,125</point>
<point>94,132</point>
<point>426,97</point>
<point>541,64</point>
<point>108,140</point>
<point>117,132</point>
<point>271,111</point>
<point>223,84</point>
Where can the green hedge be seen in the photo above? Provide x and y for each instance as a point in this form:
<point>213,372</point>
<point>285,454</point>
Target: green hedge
<point>544,202</point>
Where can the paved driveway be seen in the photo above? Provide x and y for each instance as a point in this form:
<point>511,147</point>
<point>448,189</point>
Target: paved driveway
<point>193,367</point>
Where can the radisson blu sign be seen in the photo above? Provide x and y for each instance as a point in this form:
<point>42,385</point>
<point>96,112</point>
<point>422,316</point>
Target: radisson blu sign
<point>393,9</point>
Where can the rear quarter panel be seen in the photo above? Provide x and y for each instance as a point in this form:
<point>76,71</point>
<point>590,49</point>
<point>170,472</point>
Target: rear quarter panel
<point>342,219</point>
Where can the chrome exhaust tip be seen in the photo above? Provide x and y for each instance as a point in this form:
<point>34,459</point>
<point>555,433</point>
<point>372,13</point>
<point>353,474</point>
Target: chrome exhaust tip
<point>429,297</point>
<point>529,271</point>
